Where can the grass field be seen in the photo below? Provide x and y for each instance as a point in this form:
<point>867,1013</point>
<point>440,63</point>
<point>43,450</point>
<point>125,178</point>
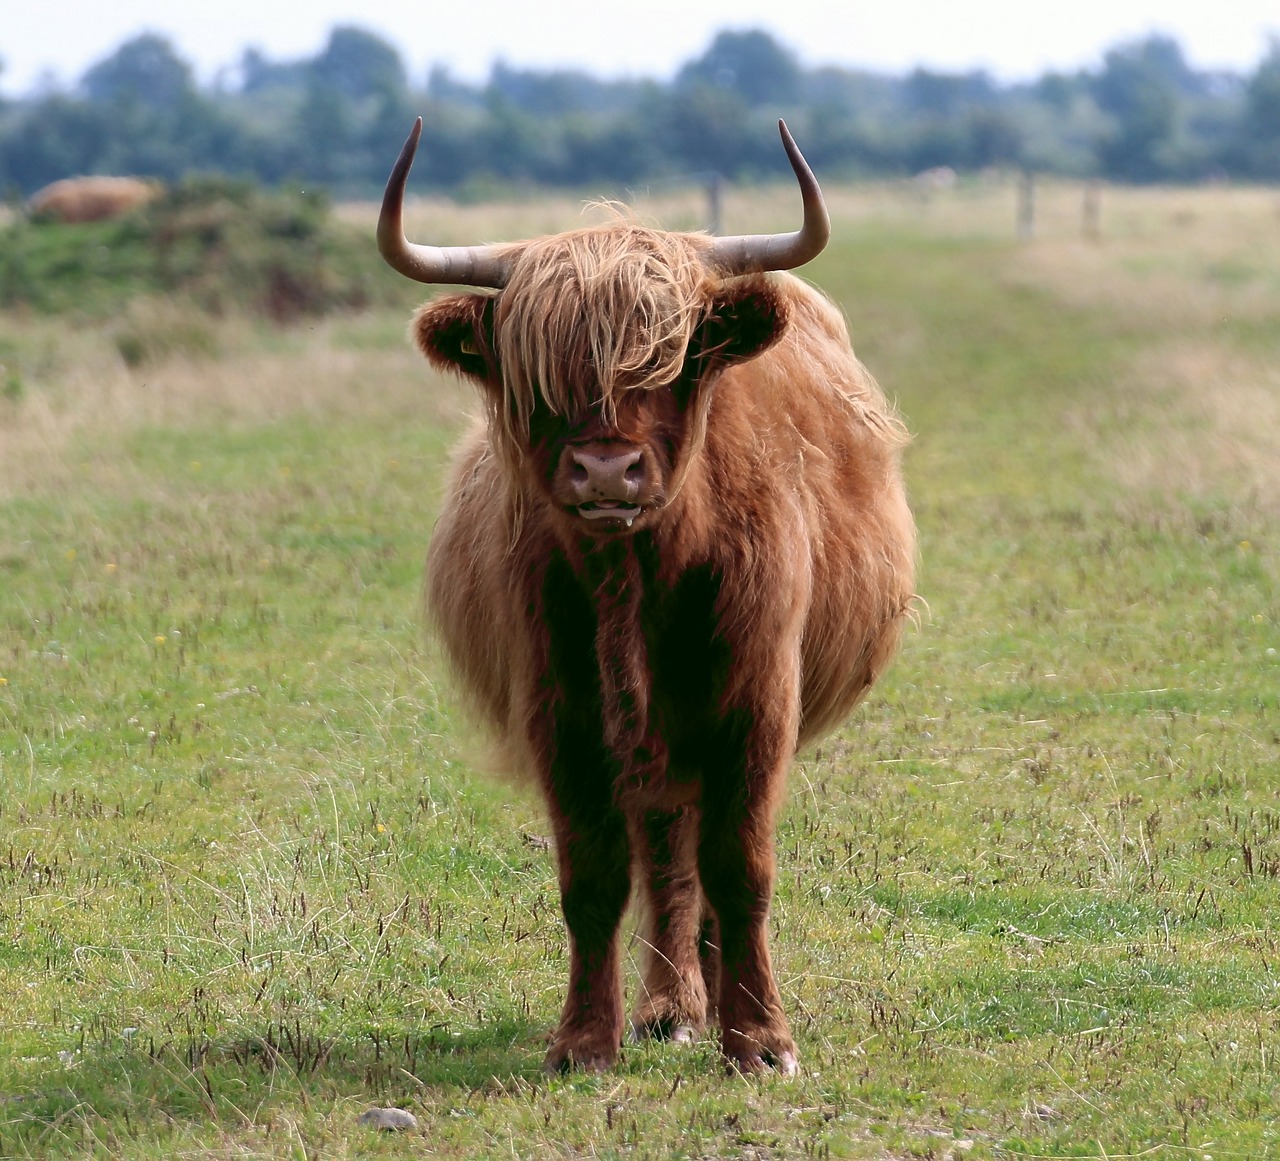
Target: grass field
<point>250,886</point>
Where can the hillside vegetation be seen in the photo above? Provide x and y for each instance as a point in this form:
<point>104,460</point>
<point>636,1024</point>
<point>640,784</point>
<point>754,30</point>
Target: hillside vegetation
<point>252,884</point>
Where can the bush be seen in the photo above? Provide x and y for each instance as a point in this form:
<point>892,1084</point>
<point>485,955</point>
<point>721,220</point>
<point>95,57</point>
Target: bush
<point>226,245</point>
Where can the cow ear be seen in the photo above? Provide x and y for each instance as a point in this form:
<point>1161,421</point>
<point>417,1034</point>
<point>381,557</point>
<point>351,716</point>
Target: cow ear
<point>745,318</point>
<point>456,334</point>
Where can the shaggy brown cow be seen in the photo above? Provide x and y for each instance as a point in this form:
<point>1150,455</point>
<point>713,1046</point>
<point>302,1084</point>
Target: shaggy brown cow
<point>676,548</point>
<point>91,199</point>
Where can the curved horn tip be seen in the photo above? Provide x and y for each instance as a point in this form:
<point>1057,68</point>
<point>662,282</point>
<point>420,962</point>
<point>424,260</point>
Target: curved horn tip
<point>457,265</point>
<point>788,142</point>
<point>750,253</point>
<point>790,147</point>
<point>410,146</point>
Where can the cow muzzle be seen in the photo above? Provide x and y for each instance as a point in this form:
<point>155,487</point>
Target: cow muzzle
<point>605,482</point>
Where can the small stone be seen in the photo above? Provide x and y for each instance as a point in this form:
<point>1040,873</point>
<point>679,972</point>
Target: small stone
<point>389,1120</point>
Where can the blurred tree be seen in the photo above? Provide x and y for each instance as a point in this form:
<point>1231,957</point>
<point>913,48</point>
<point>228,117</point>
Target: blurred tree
<point>145,69</point>
<point>451,149</point>
<point>1140,87</point>
<point>750,64</point>
<point>354,113</point>
<point>995,138</point>
<point>705,129</point>
<point>1060,90</point>
<point>338,118</point>
<point>323,133</point>
<point>258,74</point>
<point>358,63</point>
<point>57,136</point>
<point>517,146</point>
<point>1258,142</point>
<point>559,91</point>
<point>947,94</point>
<point>442,86</point>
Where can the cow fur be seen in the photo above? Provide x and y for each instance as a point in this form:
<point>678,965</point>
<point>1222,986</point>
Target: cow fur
<point>656,680</point>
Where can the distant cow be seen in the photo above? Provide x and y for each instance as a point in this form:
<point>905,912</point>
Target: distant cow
<point>676,548</point>
<point>939,177</point>
<point>91,199</point>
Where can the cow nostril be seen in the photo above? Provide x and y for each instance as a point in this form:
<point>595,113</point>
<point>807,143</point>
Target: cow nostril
<point>634,473</point>
<point>578,472</point>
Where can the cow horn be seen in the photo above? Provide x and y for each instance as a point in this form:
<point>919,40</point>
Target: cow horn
<point>752,253</point>
<point>460,265</point>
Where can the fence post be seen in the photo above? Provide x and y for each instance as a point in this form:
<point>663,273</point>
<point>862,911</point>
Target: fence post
<point>715,220</point>
<point>1026,205</point>
<point>1092,210</point>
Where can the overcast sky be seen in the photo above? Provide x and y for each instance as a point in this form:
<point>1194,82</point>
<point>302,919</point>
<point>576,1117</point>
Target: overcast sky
<point>1013,39</point>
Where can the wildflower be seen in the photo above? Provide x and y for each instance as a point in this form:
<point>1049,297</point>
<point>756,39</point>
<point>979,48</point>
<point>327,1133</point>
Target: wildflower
<point>160,638</point>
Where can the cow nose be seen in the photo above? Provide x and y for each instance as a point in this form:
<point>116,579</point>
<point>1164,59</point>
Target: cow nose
<point>605,474</point>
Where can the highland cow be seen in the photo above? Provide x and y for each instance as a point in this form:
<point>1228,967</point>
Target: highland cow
<point>91,199</point>
<point>675,548</point>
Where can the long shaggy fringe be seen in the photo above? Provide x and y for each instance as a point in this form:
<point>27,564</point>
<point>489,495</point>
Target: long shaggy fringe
<point>589,314</point>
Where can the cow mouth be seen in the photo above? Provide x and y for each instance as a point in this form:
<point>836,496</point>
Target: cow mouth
<point>609,511</point>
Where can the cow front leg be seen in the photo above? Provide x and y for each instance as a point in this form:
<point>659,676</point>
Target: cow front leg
<point>672,1004</point>
<point>595,882</point>
<point>736,862</point>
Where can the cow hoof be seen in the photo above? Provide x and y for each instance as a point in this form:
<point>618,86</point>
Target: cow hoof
<point>756,1063</point>
<point>676,1015</point>
<point>760,1049</point>
<point>563,1057</point>
<point>673,1033</point>
<point>786,1064</point>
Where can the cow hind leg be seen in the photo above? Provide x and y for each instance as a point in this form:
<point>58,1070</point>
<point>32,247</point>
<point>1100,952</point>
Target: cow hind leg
<point>595,884</point>
<point>672,1003</point>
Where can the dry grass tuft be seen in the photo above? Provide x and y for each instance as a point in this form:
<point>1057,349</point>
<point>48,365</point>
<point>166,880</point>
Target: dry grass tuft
<point>1221,432</point>
<point>1189,272</point>
<point>87,396</point>
<point>1186,257</point>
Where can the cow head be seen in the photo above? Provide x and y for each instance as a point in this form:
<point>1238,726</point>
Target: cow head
<point>598,354</point>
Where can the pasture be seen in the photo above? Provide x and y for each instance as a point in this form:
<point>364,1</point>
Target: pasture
<point>253,882</point>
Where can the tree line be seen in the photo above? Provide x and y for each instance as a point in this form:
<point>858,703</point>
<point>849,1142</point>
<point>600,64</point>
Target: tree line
<point>337,120</point>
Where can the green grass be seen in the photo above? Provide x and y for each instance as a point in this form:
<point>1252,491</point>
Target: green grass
<point>250,886</point>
